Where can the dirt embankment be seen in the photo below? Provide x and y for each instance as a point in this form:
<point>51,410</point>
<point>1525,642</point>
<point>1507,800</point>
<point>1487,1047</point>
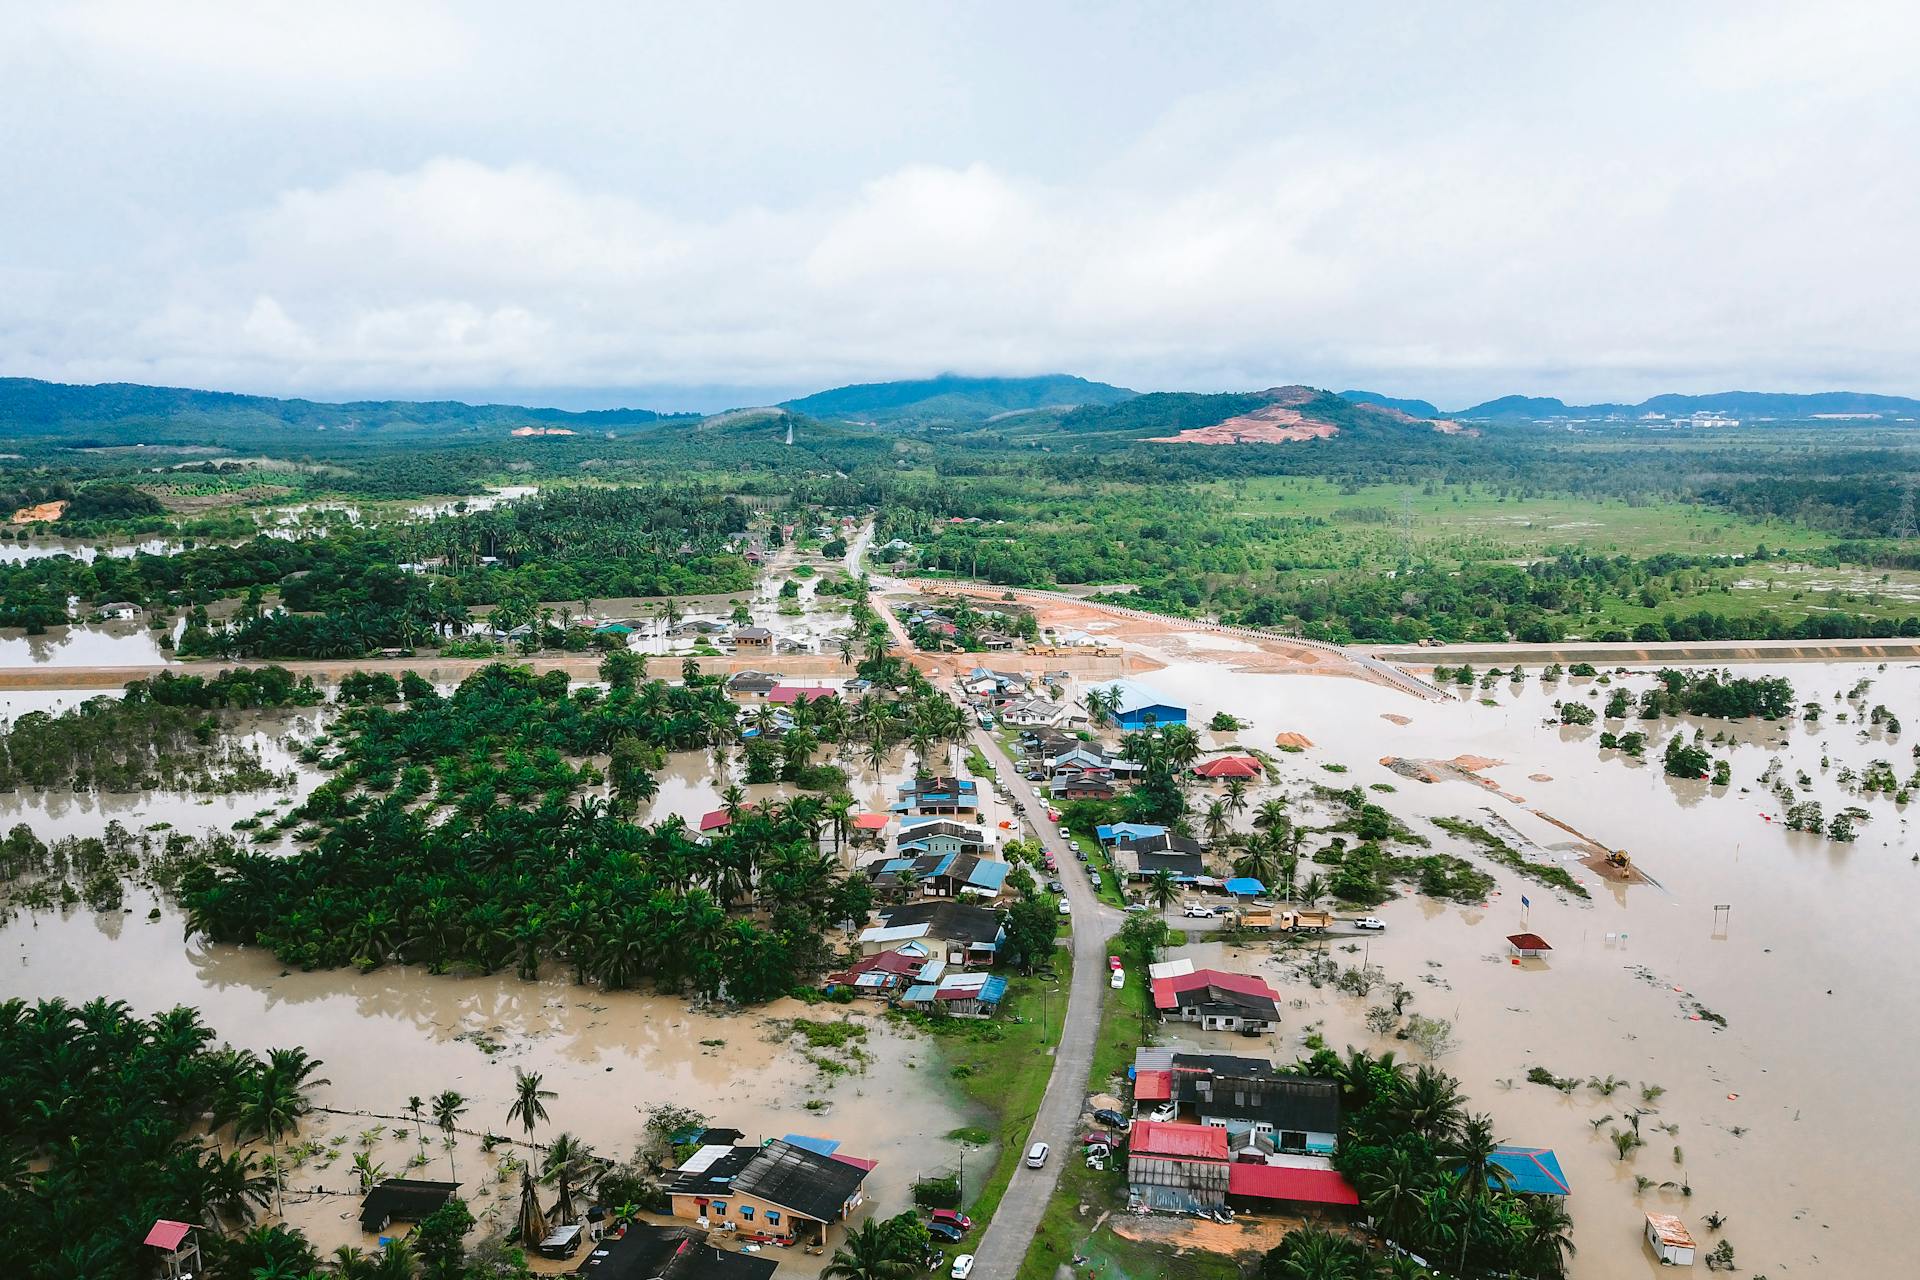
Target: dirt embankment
<point>40,512</point>
<point>1647,654</point>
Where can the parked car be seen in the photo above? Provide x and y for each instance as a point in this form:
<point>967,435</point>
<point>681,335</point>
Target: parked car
<point>1034,775</point>
<point>962,1267</point>
<point>1093,878</point>
<point>1118,980</point>
<point>952,1218</point>
<point>1066,908</point>
<point>1199,911</point>
<point>1054,886</point>
<point>1113,962</point>
<point>1080,853</point>
<point>946,1231</point>
<point>1138,906</point>
<point>1369,922</point>
<point>1036,1159</point>
<point>1163,1113</point>
<point>1113,1119</point>
<point>561,1243</point>
<point>1098,1139</point>
<point>1053,815</point>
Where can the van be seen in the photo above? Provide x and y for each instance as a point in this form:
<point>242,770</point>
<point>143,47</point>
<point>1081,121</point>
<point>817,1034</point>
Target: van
<point>1037,1155</point>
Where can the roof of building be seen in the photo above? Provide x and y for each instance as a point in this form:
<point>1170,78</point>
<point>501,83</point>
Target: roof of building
<point>1135,696</point>
<point>1210,986</point>
<point>883,933</point>
<point>1255,1092</point>
<point>1228,767</point>
<point>1670,1230</point>
<point>756,680</point>
<point>167,1234</point>
<point>871,821</point>
<point>1181,1141</point>
<point>819,1146</point>
<point>714,819</point>
<point>1152,1086</point>
<point>1528,942</point>
<point>752,633</point>
<point>923,828</point>
<point>647,1252</point>
<point>1533,1171</point>
<point>406,1199</point>
<point>1127,831</point>
<point>955,921</point>
<point>1282,1182</point>
<point>810,1184</point>
<point>790,693</point>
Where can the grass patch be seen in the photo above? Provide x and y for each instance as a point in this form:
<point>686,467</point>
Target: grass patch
<point>1547,873</point>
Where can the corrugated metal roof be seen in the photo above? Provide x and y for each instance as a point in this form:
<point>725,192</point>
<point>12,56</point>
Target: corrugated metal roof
<point>1279,1182</point>
<point>1188,1141</point>
<point>1152,1086</point>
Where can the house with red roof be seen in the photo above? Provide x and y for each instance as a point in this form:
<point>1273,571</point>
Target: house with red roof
<point>1218,1001</point>
<point>1228,769</point>
<point>1177,1168</point>
<point>786,695</point>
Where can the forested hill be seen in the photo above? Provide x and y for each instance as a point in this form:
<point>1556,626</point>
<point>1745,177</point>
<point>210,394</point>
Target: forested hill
<point>1738,404</point>
<point>1286,416</point>
<point>120,412</point>
<point>953,398</point>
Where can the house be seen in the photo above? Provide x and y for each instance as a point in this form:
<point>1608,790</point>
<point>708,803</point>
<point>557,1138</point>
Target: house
<point>1079,756</point>
<point>402,1200</point>
<point>643,1251</point>
<point>997,642</point>
<point>1290,1184</point>
<point>785,695</point>
<point>1088,784</point>
<point>1141,706</point>
<point>1177,1168</point>
<point>938,796</point>
<point>939,835</point>
<point>969,935</point>
<point>1529,1171</point>
<point>941,875</point>
<point>120,611</point>
<point>1218,1001</point>
<point>751,639</point>
<point>1148,856</point>
<point>1228,769</point>
<point>1108,835</point>
<point>781,1190</point>
<point>1260,1107</point>
<point>961,995</point>
<point>1526,946</point>
<point>757,683</point>
<point>1033,710</point>
<point>885,972</point>
<point>870,827</point>
<point>1672,1242</point>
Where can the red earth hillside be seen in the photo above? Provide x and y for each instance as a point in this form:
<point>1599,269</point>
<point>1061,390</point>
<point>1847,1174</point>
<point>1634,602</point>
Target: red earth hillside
<point>1293,414</point>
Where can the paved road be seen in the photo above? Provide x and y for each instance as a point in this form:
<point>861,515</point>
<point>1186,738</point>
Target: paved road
<point>1000,1249</point>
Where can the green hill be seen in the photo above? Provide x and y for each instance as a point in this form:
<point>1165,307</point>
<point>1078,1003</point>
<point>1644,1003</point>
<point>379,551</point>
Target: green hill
<point>953,398</point>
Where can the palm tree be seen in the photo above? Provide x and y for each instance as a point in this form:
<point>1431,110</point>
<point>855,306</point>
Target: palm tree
<point>1313,890</point>
<point>1217,821</point>
<point>1548,1243</point>
<point>529,1100</point>
<point>1391,1192</point>
<point>1475,1148</point>
<point>1257,861</point>
<point>1429,1103</point>
<point>1272,815</point>
<point>415,1109</point>
<point>366,1172</point>
<point>870,1254</point>
<point>1237,795</point>
<point>277,1101</point>
<point>1162,890</point>
<point>569,1163</point>
<point>1314,1253</point>
<point>533,1219</point>
<point>448,1107</point>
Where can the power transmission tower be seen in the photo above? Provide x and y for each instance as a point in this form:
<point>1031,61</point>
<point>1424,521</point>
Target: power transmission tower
<point>1903,515</point>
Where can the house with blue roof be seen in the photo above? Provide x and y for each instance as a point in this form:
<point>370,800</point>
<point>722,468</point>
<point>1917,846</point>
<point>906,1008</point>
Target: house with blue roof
<point>941,875</point>
<point>962,995</point>
<point>1118,831</point>
<point>939,835</point>
<point>937,797</point>
<point>1142,706</point>
<point>1528,1171</point>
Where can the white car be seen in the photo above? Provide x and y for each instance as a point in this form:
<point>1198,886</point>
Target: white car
<point>1198,911</point>
<point>1369,922</point>
<point>1163,1113</point>
<point>962,1267</point>
<point>1066,908</point>
<point>1118,980</point>
<point>1037,1155</point>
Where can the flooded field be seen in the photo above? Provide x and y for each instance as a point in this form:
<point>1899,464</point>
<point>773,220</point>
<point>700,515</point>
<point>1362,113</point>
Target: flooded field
<point>1790,1117</point>
<point>103,644</point>
<point>398,1031</point>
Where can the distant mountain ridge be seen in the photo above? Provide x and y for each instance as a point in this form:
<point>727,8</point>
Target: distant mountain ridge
<point>954,397</point>
<point>1738,404</point>
<point>30,407</point>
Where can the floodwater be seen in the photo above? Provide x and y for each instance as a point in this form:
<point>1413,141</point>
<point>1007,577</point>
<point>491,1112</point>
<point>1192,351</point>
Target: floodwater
<point>487,501</point>
<point>42,548</point>
<point>396,1032</point>
<point>1793,1120</point>
<point>104,644</point>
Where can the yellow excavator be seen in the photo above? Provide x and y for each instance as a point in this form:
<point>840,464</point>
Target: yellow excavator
<point>1621,861</point>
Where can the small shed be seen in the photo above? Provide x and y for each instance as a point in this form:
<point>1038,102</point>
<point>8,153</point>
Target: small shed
<point>179,1251</point>
<point>1672,1242</point>
<point>1526,946</point>
<point>402,1200</point>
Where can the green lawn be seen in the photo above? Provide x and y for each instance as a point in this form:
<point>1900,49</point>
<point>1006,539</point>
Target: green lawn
<point>1002,1068</point>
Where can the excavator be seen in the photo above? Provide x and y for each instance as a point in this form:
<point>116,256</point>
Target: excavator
<point>1621,861</point>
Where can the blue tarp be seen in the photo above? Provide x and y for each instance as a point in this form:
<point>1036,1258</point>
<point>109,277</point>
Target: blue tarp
<point>994,991</point>
<point>1244,887</point>
<point>1532,1171</point>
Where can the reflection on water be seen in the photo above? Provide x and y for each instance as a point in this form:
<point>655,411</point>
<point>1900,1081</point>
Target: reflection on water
<point>104,644</point>
<point>41,548</point>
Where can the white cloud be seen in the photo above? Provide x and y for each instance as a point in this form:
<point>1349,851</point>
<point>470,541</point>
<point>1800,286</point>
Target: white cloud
<point>1593,205</point>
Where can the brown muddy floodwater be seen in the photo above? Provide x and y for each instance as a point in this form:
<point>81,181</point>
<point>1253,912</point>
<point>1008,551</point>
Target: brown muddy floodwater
<point>396,1032</point>
<point>1795,1120</point>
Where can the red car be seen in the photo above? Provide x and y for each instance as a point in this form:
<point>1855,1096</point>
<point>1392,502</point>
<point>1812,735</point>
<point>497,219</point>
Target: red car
<point>952,1218</point>
<point>1113,962</point>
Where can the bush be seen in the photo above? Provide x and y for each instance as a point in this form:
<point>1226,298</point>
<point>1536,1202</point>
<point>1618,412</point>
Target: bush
<point>937,1193</point>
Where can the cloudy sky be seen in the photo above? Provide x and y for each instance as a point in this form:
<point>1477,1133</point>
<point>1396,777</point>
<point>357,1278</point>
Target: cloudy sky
<point>712,204</point>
